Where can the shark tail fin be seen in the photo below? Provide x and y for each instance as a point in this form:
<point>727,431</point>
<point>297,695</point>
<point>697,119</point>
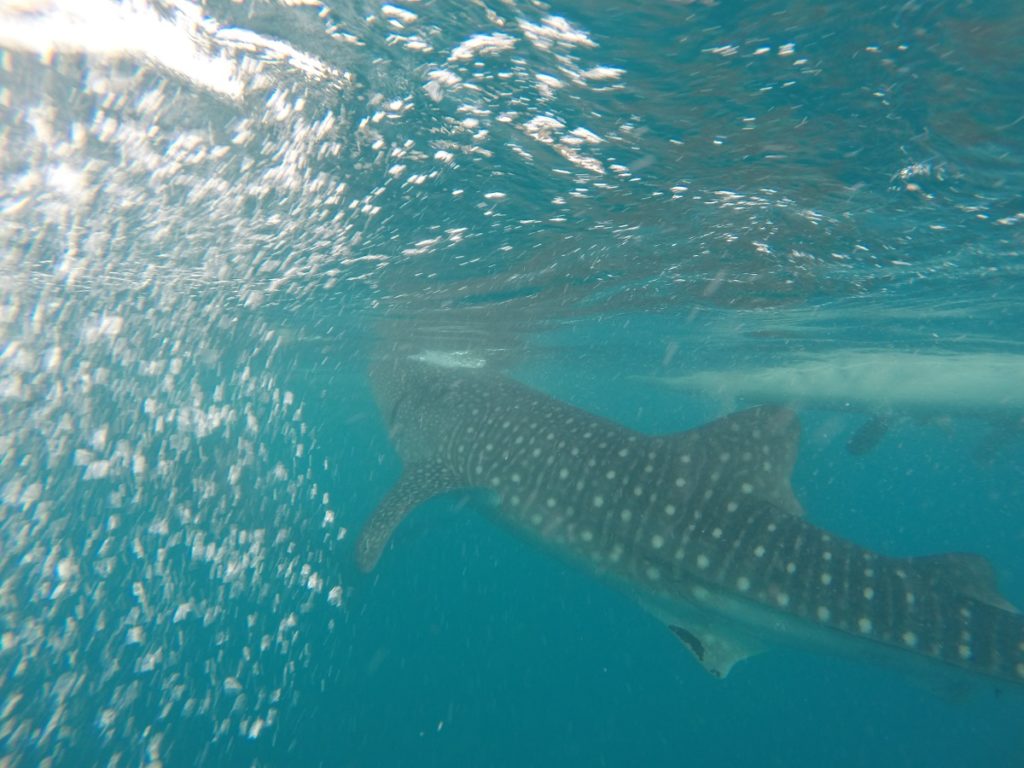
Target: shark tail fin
<point>763,443</point>
<point>418,483</point>
<point>968,574</point>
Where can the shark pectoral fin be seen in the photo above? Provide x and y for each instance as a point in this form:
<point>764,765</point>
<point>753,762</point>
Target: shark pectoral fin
<point>969,574</point>
<point>757,446</point>
<point>716,652</point>
<point>418,483</point>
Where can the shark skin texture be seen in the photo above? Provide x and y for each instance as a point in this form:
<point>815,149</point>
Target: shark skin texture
<point>701,526</point>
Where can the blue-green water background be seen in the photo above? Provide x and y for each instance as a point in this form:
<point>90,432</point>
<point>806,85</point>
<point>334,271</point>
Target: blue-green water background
<point>195,277</point>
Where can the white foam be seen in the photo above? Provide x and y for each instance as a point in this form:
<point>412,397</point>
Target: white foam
<point>190,43</point>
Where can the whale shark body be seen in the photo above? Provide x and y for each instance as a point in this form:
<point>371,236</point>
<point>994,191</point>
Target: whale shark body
<point>700,526</point>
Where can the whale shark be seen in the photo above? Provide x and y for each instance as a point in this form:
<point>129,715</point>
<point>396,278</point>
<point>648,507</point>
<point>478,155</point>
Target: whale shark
<point>701,527</point>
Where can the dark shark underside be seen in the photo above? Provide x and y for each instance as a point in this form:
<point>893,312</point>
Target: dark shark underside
<point>700,526</point>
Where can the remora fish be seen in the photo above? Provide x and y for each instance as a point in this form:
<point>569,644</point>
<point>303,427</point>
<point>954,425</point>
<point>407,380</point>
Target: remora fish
<point>701,526</point>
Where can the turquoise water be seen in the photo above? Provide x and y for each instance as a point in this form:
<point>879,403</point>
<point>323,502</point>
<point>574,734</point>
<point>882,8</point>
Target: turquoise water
<point>213,215</point>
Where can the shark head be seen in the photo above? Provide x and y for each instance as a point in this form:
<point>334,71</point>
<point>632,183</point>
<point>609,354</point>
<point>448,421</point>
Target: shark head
<point>415,398</point>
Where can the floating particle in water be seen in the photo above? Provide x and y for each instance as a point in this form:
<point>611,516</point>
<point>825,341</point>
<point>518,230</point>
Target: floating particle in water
<point>335,596</point>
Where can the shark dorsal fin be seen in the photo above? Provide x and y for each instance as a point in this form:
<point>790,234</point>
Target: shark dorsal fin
<point>969,574</point>
<point>418,483</point>
<point>762,441</point>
